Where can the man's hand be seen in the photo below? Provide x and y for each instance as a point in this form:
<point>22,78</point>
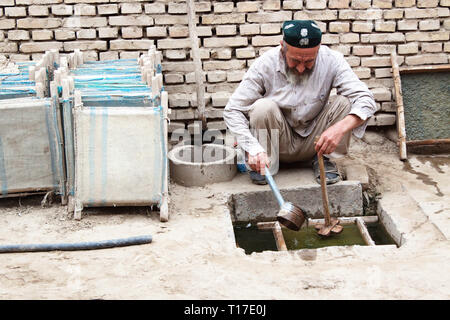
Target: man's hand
<point>259,162</point>
<point>331,137</point>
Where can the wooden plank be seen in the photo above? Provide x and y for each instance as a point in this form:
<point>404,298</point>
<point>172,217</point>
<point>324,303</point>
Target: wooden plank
<point>197,61</point>
<point>279,239</point>
<point>401,129</point>
<point>421,69</point>
<point>266,225</point>
<point>364,232</point>
<point>427,142</point>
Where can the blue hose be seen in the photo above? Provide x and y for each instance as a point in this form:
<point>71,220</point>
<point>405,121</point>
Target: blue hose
<point>75,246</point>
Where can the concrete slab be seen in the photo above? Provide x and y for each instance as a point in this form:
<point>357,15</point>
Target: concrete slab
<point>345,199</point>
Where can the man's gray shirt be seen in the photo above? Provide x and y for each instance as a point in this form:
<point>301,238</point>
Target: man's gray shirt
<point>300,102</point>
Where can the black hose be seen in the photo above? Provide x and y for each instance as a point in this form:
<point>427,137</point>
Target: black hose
<point>76,246</point>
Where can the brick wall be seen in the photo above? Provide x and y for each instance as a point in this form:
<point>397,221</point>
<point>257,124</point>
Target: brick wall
<point>232,34</point>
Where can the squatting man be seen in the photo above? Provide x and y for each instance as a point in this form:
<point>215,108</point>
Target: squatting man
<point>282,104</point>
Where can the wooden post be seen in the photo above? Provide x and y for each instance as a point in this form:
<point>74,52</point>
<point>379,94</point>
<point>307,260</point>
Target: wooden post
<point>400,109</point>
<point>197,62</point>
<point>279,239</point>
<point>364,233</point>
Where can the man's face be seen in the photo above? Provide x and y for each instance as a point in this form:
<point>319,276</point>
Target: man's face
<point>299,59</point>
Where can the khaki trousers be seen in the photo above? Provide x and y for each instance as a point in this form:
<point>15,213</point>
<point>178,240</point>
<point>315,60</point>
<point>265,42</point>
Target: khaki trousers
<point>287,145</point>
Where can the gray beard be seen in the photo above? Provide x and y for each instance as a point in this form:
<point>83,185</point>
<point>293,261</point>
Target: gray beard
<point>293,77</point>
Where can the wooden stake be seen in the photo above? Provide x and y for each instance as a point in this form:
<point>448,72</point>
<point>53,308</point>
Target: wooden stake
<point>400,109</point>
<point>279,239</point>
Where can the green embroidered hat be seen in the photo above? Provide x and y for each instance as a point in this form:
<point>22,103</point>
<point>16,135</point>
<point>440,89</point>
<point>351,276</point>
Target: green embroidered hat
<point>302,33</point>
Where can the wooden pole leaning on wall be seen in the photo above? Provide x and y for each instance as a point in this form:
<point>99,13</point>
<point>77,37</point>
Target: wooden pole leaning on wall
<point>197,61</point>
<point>401,129</point>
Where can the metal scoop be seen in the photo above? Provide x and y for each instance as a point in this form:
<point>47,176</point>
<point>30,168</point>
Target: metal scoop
<point>290,216</point>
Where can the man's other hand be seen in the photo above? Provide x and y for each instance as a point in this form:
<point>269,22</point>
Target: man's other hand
<point>259,162</point>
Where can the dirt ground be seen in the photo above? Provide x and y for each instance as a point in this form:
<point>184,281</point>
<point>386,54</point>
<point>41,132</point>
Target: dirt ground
<point>192,256</point>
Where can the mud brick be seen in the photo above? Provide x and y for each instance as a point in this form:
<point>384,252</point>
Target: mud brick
<point>175,54</point>
<point>385,26</point>
<point>405,3</point>
<point>428,36</point>
<point>386,37</point>
<point>271,5</point>
<point>15,12</point>
<point>85,22</point>
<point>217,76</point>
<point>202,6</point>
<point>235,75</point>
<point>382,119</point>
<point>204,31</point>
<point>179,32</point>
<point>156,32</point>
<point>362,73</point>
<point>107,9</point>
<point>225,42</point>
<point>361,4</point>
<point>175,7</point>
<point>39,46</point>
<point>173,43</point>
<point>393,14</point>
<point>8,47</point>
<point>376,62</point>
<point>85,10</point>
<point>338,4</point>
<point>248,6</point>
<point>220,99</point>
<point>292,4</point>
<point>221,54</point>
<point>344,49</point>
<point>63,34</point>
<point>414,13</point>
<point>369,14</point>
<point>86,34</point>
<point>385,49</point>
<point>38,11</point>
<point>230,18</point>
<point>42,35</point>
<point>187,66</point>
<point>431,47</point>
<point>381,94</point>
<point>260,41</point>
<point>86,45</point>
<point>249,29</point>
<point>224,65</point>
<point>383,73</point>
<point>104,33</point>
<point>156,7</point>
<point>409,48</point>
<point>429,25</point>
<point>131,32</point>
<point>174,125</point>
<point>223,7</point>
<point>426,59</point>
<point>267,17</point>
<point>407,25</point>
<point>110,55</point>
<point>38,23</point>
<point>226,30</point>
<point>339,26</point>
<point>315,4</point>
<point>362,50</point>
<point>62,10</point>
<point>362,26</point>
<point>130,44</point>
<point>142,20</point>
<point>18,35</point>
<point>349,38</point>
<point>353,61</point>
<point>245,53</point>
<point>383,4</point>
<point>427,3</point>
<point>330,39</point>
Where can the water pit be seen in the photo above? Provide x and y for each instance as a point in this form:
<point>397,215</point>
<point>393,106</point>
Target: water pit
<point>256,229</point>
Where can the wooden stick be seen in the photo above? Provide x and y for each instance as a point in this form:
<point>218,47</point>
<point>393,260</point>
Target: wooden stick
<point>197,62</point>
<point>326,208</point>
<point>427,142</point>
<point>439,68</point>
<point>279,239</point>
<point>364,232</point>
<point>400,108</point>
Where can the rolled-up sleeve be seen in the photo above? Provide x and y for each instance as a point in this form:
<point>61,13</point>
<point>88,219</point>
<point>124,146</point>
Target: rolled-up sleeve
<point>347,84</point>
<point>240,103</point>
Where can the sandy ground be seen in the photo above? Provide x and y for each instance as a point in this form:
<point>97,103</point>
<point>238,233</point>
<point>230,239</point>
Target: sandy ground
<point>193,255</point>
